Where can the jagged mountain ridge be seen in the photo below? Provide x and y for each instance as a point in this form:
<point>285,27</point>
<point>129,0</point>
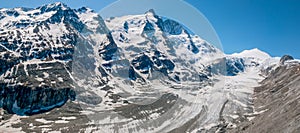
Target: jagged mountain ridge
<point>121,57</point>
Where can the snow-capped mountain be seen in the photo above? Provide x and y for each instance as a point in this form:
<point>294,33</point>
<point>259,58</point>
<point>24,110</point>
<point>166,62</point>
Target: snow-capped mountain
<point>36,50</point>
<point>68,69</point>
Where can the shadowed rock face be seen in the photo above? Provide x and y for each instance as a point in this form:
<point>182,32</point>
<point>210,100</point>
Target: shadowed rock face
<point>234,66</point>
<point>23,100</point>
<point>277,100</point>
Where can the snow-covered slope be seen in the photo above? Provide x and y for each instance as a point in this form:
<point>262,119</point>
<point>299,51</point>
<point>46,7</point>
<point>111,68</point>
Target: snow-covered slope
<point>253,53</point>
<point>250,58</point>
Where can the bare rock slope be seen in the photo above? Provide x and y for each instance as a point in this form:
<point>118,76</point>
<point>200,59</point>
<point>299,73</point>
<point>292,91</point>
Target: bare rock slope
<point>278,102</point>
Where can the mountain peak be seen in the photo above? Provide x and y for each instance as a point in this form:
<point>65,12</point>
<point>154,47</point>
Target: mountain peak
<point>84,10</point>
<point>256,53</point>
<point>150,11</point>
<point>53,7</point>
<point>58,4</point>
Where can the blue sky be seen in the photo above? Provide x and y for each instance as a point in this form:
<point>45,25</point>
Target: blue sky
<point>270,25</point>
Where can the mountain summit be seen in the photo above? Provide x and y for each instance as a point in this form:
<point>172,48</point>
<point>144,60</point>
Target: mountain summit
<point>255,53</point>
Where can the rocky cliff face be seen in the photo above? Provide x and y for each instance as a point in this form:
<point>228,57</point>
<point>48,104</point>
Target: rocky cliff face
<point>24,100</point>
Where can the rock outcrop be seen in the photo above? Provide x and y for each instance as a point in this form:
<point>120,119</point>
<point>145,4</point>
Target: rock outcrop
<point>285,58</point>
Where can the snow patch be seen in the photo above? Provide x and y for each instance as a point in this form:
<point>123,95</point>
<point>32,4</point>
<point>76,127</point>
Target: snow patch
<point>60,79</point>
<point>42,120</point>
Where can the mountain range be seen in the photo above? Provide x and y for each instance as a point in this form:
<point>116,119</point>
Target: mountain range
<point>69,70</point>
